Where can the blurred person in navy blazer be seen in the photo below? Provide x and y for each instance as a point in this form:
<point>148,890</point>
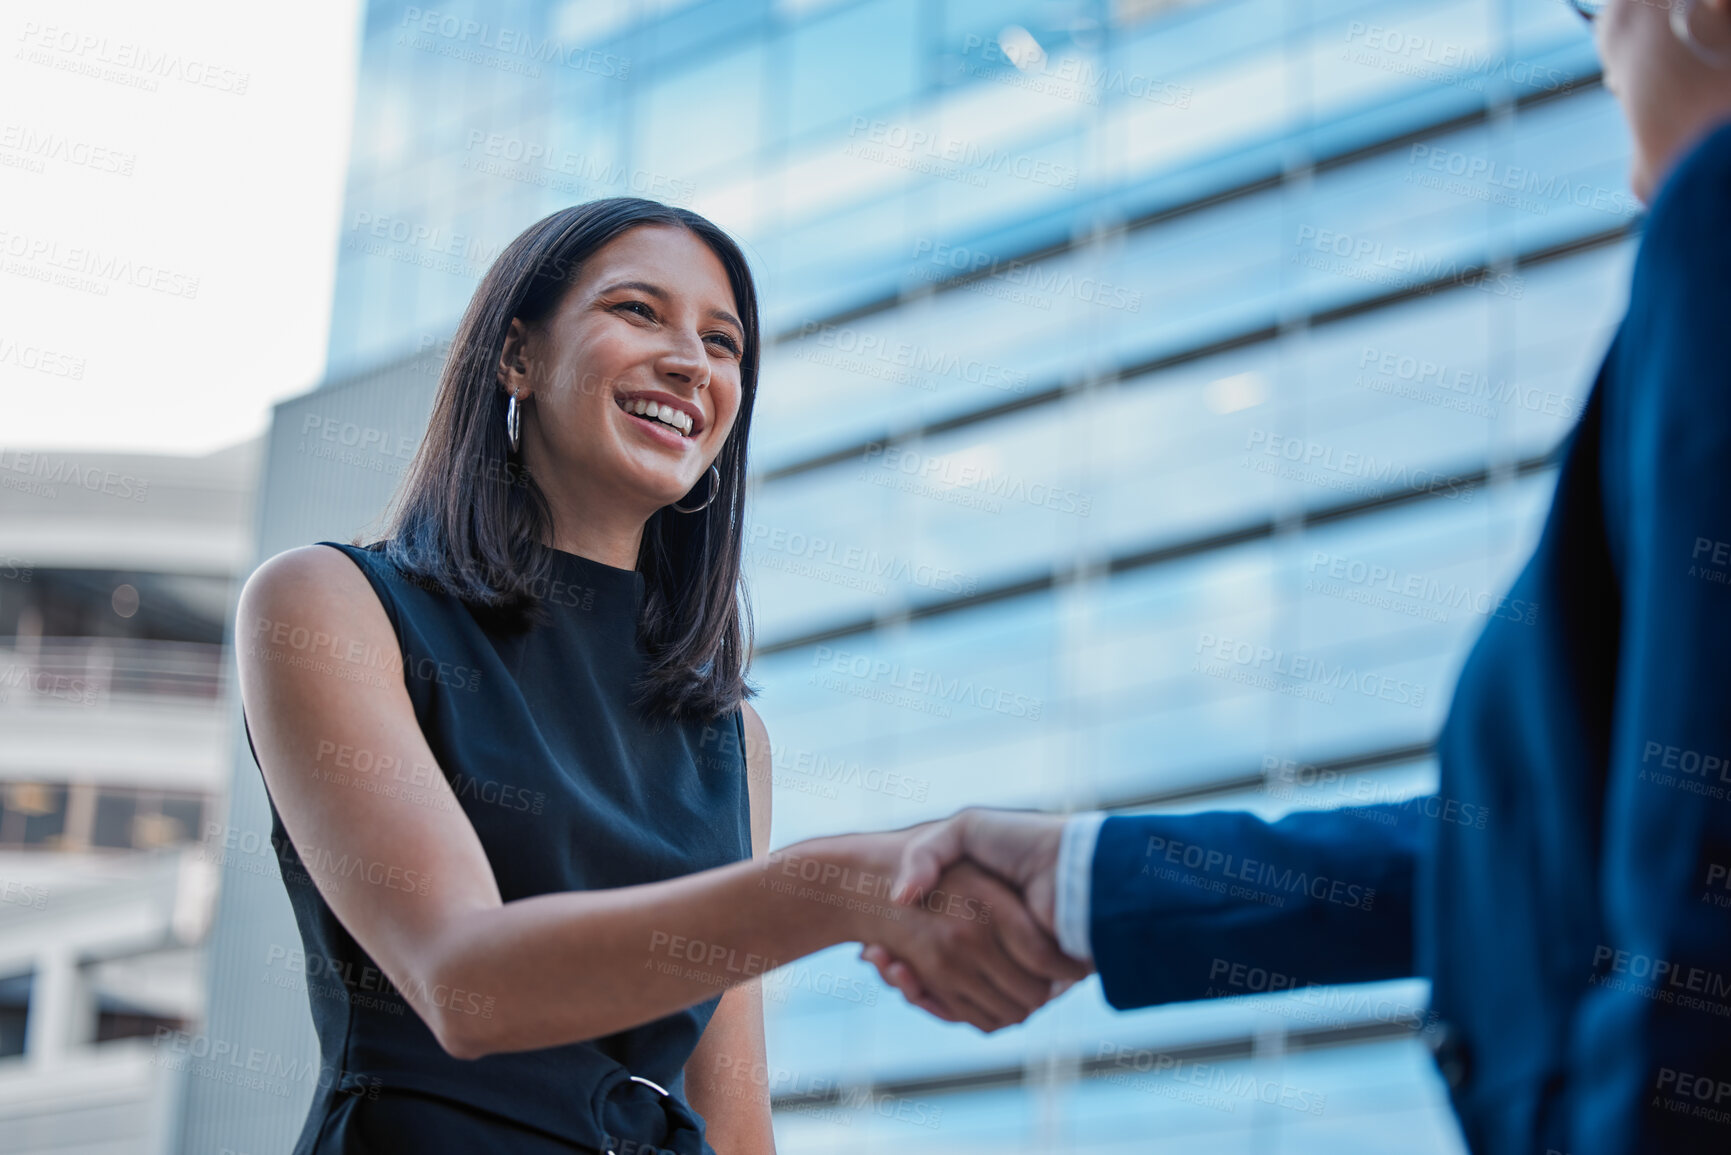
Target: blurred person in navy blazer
<point>1567,890</point>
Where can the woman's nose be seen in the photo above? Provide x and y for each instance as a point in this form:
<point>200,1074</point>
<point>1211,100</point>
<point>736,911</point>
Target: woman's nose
<point>686,360</point>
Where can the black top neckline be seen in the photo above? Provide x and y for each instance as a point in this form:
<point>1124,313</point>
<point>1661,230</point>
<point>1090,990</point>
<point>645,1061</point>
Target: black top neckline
<point>609,579</point>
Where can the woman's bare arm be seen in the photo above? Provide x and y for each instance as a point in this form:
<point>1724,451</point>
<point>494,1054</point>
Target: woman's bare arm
<point>727,1077</point>
<point>489,976</point>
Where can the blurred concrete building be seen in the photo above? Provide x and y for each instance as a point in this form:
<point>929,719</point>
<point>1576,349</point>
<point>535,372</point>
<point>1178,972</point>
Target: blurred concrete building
<point>1106,341</point>
<point>116,576</point>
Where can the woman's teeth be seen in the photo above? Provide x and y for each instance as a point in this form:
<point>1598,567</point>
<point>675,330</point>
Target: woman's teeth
<point>655,411</point>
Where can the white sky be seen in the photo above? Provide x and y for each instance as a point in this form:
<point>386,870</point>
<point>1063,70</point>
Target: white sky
<point>103,182</point>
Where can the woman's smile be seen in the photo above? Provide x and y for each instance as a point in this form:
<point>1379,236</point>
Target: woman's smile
<point>666,419</point>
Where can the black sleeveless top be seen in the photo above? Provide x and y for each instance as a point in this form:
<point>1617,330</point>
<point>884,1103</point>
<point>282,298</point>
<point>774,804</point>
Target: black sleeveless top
<point>569,788</point>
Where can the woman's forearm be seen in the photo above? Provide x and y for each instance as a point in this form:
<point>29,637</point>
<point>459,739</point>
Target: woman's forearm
<point>559,968</point>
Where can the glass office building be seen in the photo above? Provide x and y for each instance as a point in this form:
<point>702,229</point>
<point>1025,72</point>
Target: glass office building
<point>1157,400</point>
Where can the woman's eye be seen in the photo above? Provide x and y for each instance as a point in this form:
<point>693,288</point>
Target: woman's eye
<point>642,309</point>
<point>727,342</point>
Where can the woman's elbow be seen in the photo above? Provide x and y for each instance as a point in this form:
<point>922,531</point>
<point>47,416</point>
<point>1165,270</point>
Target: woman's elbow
<point>466,1028</point>
<point>458,1005</point>
<point>467,1025</point>
<point>461,1041</point>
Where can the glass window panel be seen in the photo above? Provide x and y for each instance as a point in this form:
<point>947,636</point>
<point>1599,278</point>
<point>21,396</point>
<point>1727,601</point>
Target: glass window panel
<point>703,115</point>
<point>865,57</point>
<point>115,811</point>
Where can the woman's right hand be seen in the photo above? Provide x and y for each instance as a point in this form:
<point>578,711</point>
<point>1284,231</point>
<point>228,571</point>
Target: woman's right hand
<point>978,954</point>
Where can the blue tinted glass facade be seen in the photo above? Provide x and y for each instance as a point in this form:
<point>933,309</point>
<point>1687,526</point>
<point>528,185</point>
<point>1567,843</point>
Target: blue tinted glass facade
<point>1160,398</point>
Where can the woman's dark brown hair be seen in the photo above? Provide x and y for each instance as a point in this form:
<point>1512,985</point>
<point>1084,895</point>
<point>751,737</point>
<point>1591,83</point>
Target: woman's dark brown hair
<point>470,520</point>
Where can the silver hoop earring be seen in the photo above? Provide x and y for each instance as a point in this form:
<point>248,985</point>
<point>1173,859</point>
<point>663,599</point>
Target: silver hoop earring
<point>714,490</point>
<point>1682,17</point>
<point>513,422</point>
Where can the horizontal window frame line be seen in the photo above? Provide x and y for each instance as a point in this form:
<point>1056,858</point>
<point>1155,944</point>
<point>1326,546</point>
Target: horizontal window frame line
<point>1232,1048</point>
<point>1265,183</point>
<point>1144,558</point>
<point>1361,762</point>
<point>1261,334</point>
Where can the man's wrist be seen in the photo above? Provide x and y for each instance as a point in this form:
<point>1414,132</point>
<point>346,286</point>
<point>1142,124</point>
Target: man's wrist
<point>1073,884</point>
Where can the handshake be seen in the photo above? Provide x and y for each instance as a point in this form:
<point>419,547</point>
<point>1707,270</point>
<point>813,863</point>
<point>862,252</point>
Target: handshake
<point>971,936</point>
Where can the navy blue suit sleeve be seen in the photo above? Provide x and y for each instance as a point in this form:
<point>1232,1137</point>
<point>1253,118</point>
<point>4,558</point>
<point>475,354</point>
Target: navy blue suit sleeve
<point>1651,1039</point>
<point>1188,906</point>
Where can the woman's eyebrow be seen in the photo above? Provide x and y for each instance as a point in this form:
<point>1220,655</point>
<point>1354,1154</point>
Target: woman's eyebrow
<point>661,294</point>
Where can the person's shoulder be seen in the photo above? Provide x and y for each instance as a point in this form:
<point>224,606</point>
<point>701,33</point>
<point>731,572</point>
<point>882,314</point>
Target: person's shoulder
<point>1688,229</point>
<point>1672,343</point>
<point>308,579</point>
<point>306,567</point>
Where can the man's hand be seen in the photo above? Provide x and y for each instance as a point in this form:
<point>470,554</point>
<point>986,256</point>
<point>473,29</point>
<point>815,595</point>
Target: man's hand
<point>1020,847</point>
<point>980,954</point>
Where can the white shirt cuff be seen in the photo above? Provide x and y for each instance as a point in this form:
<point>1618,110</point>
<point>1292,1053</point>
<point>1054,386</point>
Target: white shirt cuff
<point>1074,883</point>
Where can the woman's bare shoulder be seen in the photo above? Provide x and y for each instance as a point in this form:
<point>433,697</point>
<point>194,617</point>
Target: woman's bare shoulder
<point>309,587</point>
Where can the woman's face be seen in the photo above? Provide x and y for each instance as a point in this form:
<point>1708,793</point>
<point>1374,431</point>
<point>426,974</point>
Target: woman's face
<point>1670,97</point>
<point>650,320</point>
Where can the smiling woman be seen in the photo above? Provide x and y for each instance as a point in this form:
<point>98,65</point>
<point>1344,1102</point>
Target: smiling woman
<point>514,784</point>
<point>587,314</point>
